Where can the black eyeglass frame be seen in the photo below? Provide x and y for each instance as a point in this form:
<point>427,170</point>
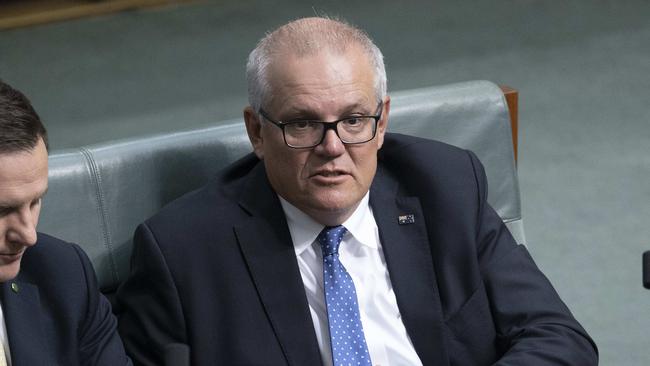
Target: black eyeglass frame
<point>326,126</point>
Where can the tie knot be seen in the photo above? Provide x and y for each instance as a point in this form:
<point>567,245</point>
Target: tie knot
<point>330,239</point>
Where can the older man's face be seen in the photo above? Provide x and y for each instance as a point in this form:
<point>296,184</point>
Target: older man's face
<point>23,182</point>
<point>327,181</point>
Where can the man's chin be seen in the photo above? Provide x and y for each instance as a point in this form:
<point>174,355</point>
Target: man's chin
<point>332,209</point>
<point>9,271</point>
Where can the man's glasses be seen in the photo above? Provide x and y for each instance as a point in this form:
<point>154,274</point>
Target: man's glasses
<point>305,133</point>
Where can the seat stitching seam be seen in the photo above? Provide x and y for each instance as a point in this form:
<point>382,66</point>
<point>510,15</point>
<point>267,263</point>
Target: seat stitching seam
<point>103,214</point>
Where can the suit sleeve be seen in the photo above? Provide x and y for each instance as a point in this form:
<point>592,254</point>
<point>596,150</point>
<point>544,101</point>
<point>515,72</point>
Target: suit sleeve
<point>149,309</point>
<point>534,327</point>
<point>99,342</point>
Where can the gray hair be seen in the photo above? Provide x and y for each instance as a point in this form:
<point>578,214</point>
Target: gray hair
<point>304,37</point>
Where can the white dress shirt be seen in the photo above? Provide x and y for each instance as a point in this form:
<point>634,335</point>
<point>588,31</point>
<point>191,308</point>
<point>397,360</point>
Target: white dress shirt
<point>363,258</point>
<point>4,339</point>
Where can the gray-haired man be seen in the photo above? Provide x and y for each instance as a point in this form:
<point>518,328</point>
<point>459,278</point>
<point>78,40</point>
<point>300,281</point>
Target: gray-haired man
<point>319,248</point>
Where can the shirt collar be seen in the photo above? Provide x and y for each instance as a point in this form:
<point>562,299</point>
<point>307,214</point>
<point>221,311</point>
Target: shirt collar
<point>304,230</point>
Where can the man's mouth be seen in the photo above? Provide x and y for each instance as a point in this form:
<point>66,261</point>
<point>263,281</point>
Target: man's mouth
<point>13,253</point>
<point>330,177</point>
<point>330,173</point>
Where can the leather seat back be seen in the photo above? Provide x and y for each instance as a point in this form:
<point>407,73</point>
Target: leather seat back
<point>99,194</point>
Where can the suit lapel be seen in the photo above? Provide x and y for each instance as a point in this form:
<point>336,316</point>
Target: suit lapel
<point>21,306</point>
<point>267,247</point>
<point>408,257</point>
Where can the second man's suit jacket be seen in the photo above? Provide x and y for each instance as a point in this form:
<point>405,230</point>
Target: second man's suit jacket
<point>217,270</point>
<point>54,312</point>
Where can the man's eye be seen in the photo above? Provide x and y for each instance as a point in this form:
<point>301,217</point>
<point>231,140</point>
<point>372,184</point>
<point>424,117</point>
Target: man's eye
<point>301,124</point>
<point>35,203</point>
<point>356,123</point>
<point>352,121</point>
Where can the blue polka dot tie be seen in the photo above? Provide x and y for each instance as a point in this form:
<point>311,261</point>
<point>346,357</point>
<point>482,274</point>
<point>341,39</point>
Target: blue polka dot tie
<point>346,331</point>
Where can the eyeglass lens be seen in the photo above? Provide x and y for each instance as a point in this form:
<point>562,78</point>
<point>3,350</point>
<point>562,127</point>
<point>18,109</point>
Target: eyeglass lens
<point>310,133</point>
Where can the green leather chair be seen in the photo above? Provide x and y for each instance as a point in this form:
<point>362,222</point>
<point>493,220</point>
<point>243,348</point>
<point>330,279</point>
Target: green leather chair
<point>98,194</point>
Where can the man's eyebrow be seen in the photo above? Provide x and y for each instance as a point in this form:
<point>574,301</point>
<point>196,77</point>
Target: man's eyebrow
<point>9,204</point>
<point>40,196</point>
<point>298,113</point>
<point>357,107</point>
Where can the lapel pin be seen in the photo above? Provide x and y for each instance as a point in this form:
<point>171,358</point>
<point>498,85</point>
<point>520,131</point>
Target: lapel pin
<point>14,287</point>
<point>406,219</point>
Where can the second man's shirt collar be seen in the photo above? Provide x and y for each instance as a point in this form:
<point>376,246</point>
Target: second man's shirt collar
<point>304,230</point>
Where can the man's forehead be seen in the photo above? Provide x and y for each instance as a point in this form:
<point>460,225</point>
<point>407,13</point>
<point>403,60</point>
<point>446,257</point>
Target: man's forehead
<point>305,108</point>
<point>285,54</point>
<point>23,174</point>
<point>319,77</point>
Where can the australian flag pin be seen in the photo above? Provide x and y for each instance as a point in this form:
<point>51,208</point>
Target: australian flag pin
<point>406,219</point>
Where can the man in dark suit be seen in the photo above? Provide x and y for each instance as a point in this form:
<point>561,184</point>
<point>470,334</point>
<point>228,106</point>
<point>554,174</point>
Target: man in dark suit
<point>52,311</point>
<point>320,248</point>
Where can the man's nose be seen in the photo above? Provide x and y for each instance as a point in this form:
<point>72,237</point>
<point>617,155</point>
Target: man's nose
<point>23,229</point>
<point>331,144</point>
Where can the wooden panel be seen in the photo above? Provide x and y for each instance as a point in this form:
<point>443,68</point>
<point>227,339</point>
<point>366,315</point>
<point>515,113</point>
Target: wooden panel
<point>21,13</point>
<point>512,99</point>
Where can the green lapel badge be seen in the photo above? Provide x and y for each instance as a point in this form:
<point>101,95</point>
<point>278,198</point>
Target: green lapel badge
<point>14,287</point>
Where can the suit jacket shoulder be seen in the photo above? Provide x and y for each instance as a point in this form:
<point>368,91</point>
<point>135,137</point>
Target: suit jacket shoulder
<point>495,302</point>
<point>54,311</point>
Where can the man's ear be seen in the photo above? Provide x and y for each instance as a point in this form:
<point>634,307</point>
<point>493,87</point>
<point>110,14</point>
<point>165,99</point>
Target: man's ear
<point>382,125</point>
<point>254,130</point>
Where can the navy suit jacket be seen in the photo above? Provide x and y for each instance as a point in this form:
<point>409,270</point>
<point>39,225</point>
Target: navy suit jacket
<point>54,312</point>
<point>216,270</point>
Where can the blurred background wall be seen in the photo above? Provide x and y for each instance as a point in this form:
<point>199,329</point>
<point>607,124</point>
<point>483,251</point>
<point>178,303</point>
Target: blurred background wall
<point>582,69</point>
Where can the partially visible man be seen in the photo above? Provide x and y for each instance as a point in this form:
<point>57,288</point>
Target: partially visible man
<point>52,312</point>
<point>322,249</point>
